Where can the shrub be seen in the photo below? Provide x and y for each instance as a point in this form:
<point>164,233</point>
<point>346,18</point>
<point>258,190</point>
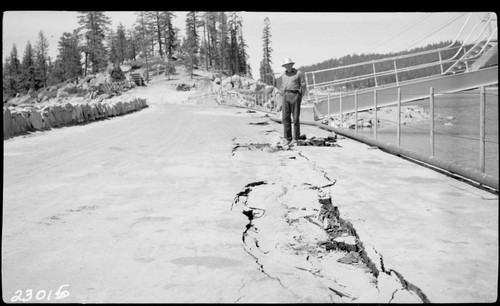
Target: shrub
<point>117,74</point>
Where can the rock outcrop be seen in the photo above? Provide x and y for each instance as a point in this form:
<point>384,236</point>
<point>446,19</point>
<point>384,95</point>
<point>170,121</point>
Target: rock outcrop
<point>43,116</point>
<point>246,92</point>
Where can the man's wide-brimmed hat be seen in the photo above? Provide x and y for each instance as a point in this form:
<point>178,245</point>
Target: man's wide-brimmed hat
<point>287,61</point>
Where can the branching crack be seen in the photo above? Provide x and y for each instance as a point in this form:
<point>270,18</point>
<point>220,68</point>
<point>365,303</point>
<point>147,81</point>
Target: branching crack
<point>325,175</point>
<point>342,235</point>
<point>392,297</point>
<point>256,147</point>
<point>245,192</point>
<point>410,287</point>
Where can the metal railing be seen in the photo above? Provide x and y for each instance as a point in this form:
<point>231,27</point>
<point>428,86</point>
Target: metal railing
<point>432,130</point>
<point>392,76</point>
<point>242,98</point>
<point>424,153</point>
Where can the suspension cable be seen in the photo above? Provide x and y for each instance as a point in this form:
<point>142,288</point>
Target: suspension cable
<point>435,31</point>
<point>401,31</point>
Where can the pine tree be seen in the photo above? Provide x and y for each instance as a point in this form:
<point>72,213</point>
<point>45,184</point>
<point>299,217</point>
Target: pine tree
<point>266,72</point>
<point>243,56</point>
<point>121,43</point>
<point>94,24</point>
<point>170,34</point>
<point>68,62</point>
<point>223,42</point>
<point>42,49</point>
<point>133,45</point>
<point>192,40</point>
<point>204,46</point>
<point>111,42</point>
<point>234,24</point>
<point>143,39</point>
<point>28,80</point>
<point>212,40</point>
<point>12,74</point>
<point>154,21</point>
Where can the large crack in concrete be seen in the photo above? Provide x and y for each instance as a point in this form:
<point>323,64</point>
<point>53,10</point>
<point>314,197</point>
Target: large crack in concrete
<point>341,239</point>
<point>250,239</point>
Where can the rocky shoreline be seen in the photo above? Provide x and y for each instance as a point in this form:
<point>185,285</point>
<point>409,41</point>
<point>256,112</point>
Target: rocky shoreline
<point>386,116</point>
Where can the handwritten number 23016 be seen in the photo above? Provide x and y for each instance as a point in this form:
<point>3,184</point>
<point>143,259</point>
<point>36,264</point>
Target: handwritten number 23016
<point>40,295</point>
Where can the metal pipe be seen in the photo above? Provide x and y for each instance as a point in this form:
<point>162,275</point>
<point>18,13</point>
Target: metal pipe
<point>374,74</point>
<point>482,129</point>
<point>451,167</point>
<point>431,121</point>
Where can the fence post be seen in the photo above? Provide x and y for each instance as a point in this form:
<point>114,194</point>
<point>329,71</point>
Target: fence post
<point>374,73</point>
<point>315,89</point>
<point>441,62</point>
<point>307,86</point>
<point>431,119</point>
<point>375,119</point>
<point>466,61</point>
<point>482,131</point>
<point>398,134</point>
<point>329,108</point>
<point>356,111</point>
<point>396,71</point>
<point>340,104</point>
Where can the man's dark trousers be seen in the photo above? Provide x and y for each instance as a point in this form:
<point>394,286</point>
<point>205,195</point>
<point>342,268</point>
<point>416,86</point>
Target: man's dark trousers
<point>291,107</point>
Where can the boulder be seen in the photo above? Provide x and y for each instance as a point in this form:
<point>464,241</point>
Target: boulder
<point>36,119</point>
<point>48,117</point>
<point>19,122</point>
<point>87,78</point>
<point>70,88</point>
<point>79,113</point>
<point>41,95</point>
<point>104,96</point>
<point>62,94</point>
<point>25,99</point>
<point>26,112</point>
<point>227,84</point>
<point>125,68</point>
<point>236,80</point>
<point>257,86</point>
<point>7,123</point>
<point>119,107</point>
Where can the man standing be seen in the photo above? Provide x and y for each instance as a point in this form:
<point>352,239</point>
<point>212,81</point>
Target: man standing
<point>293,89</point>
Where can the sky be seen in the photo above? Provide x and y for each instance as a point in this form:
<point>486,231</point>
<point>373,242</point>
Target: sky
<point>305,37</point>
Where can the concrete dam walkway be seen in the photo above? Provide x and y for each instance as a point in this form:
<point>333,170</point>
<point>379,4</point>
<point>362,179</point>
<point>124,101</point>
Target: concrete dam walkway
<point>199,203</point>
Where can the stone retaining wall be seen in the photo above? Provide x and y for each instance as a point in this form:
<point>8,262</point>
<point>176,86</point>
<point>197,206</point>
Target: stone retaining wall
<point>25,118</point>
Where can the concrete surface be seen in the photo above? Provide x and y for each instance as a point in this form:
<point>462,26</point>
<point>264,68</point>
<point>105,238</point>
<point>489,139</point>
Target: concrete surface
<point>440,233</point>
<point>142,208</point>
